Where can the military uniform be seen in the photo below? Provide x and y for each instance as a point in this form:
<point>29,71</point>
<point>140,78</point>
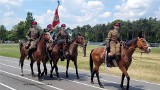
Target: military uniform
<point>113,44</point>
<point>63,36</point>
<point>113,37</point>
<point>33,36</point>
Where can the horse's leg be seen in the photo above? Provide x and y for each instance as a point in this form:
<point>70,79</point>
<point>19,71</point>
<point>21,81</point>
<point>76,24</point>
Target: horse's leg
<point>124,70</point>
<point>39,69</point>
<point>75,64</point>
<point>45,68</point>
<point>52,68</point>
<point>31,66</point>
<point>56,69</point>
<point>122,80</point>
<point>97,74</point>
<point>21,62</point>
<point>67,67</point>
<point>92,76</point>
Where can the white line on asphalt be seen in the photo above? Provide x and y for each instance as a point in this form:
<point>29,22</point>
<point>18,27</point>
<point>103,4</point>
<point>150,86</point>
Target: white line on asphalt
<point>7,86</point>
<point>61,78</point>
<point>87,72</point>
<point>30,79</point>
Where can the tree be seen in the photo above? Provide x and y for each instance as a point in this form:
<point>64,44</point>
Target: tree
<point>3,33</point>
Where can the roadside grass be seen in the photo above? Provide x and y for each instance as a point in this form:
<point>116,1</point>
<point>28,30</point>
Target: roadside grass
<point>143,67</point>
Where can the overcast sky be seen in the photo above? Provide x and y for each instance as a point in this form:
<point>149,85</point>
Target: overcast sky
<point>77,12</point>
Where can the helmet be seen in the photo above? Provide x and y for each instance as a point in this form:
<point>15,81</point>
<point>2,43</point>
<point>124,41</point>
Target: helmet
<point>49,26</point>
<point>117,24</point>
<point>63,25</point>
<point>34,23</point>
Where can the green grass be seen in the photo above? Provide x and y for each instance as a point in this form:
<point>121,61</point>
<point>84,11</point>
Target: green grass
<point>144,67</point>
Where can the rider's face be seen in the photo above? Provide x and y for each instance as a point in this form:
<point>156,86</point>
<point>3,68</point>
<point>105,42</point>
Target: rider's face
<point>63,28</point>
<point>116,27</point>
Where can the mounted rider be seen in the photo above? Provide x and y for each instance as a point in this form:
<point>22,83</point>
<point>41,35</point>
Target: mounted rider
<point>52,32</point>
<point>63,37</point>
<point>113,44</point>
<point>33,35</point>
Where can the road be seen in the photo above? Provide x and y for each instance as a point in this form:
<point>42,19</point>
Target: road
<point>10,79</point>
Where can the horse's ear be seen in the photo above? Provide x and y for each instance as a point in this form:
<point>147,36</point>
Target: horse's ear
<point>140,35</point>
<point>79,34</point>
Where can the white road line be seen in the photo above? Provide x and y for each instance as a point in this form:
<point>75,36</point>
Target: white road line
<point>61,78</point>
<point>30,79</point>
<point>142,81</point>
<point>7,86</point>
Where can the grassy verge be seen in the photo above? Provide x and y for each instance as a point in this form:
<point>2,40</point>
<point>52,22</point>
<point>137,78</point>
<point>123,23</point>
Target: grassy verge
<point>144,67</point>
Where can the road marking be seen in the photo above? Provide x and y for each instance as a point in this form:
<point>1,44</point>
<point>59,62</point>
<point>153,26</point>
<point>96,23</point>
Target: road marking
<point>61,78</point>
<point>29,79</point>
<point>7,86</point>
<point>88,72</point>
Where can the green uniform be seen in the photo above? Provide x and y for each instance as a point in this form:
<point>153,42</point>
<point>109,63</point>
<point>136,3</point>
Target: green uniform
<point>33,36</point>
<point>114,38</point>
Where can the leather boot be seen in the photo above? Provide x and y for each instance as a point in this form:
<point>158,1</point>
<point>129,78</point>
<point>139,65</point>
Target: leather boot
<point>109,59</point>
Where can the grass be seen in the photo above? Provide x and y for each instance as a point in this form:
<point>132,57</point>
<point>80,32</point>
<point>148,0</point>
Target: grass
<point>144,67</point>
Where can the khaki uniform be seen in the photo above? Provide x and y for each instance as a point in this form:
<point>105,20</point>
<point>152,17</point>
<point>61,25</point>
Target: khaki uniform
<point>63,36</point>
<point>33,35</point>
<point>114,36</point>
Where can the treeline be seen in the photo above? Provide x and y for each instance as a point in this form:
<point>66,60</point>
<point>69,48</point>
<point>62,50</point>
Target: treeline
<point>97,33</point>
<point>128,30</point>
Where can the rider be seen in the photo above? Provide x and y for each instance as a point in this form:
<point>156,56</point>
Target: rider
<point>113,44</point>
<point>32,36</point>
<point>63,36</point>
<point>52,32</point>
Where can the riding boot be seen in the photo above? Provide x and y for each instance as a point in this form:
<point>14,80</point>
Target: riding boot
<point>28,53</point>
<point>117,56</point>
<point>63,56</point>
<point>109,59</point>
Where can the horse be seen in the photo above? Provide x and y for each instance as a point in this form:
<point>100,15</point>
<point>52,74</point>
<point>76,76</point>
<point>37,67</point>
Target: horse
<point>73,52</point>
<point>55,54</point>
<point>97,57</point>
<point>37,55</point>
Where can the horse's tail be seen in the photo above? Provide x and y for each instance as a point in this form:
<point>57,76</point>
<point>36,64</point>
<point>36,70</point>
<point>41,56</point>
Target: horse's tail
<point>91,62</point>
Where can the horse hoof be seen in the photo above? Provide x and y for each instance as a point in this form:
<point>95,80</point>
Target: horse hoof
<point>92,82</point>
<point>33,76</point>
<point>59,79</point>
<point>101,86</point>
<point>77,77</point>
<point>22,74</point>
<point>67,76</point>
<point>121,86</point>
<point>51,75</point>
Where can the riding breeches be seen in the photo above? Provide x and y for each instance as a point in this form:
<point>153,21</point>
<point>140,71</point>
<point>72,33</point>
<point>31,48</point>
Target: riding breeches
<point>115,48</point>
<point>33,44</point>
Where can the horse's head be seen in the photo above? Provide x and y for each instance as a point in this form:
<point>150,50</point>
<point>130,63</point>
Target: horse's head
<point>47,36</point>
<point>143,44</point>
<point>80,39</point>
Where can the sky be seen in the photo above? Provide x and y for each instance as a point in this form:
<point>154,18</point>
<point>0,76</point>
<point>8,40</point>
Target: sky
<point>77,12</point>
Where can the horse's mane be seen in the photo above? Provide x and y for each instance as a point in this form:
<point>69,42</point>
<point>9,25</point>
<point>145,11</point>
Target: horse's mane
<point>73,39</point>
<point>131,41</point>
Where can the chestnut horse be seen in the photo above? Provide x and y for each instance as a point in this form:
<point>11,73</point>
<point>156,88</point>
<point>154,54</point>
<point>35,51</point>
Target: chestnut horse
<point>55,55</point>
<point>97,57</point>
<point>38,55</point>
<point>73,52</point>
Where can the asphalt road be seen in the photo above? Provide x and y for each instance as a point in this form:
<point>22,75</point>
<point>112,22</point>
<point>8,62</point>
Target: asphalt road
<point>10,79</point>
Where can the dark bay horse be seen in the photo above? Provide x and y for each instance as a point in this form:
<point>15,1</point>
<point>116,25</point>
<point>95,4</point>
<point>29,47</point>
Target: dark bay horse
<point>55,55</point>
<point>73,52</point>
<point>96,57</point>
<point>38,55</point>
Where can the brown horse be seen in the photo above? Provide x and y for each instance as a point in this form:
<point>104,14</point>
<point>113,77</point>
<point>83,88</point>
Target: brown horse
<point>73,52</point>
<point>38,55</point>
<point>96,57</point>
<point>55,55</point>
